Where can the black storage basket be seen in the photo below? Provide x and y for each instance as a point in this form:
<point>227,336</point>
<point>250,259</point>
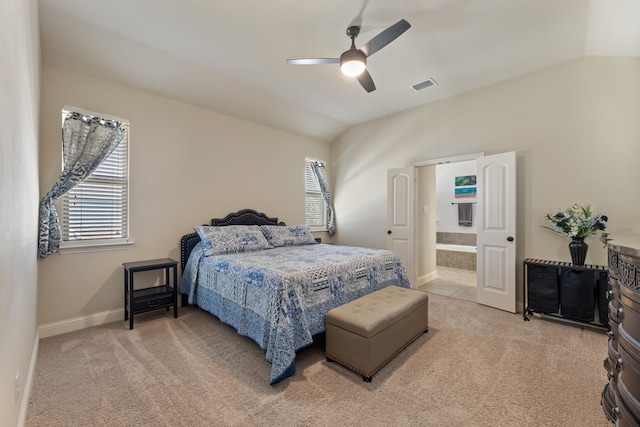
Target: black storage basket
<point>577,294</point>
<point>542,295</point>
<point>602,286</point>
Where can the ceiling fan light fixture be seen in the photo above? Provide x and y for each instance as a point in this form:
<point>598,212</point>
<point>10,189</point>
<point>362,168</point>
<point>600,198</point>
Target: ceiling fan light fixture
<point>353,63</point>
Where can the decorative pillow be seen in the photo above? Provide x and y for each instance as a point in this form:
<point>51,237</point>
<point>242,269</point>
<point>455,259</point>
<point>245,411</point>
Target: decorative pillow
<point>231,239</point>
<point>296,235</point>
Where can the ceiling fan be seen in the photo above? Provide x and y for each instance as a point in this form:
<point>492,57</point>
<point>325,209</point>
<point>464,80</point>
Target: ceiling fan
<point>353,62</point>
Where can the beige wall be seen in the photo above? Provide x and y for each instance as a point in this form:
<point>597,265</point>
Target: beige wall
<point>575,128</point>
<point>19,93</point>
<point>426,224</point>
<point>568,124</point>
<point>187,166</point>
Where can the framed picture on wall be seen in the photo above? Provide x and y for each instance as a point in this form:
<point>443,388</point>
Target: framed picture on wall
<point>465,192</point>
<point>465,186</point>
<point>465,180</point>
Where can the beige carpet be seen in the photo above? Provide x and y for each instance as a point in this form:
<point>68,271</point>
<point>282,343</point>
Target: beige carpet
<point>477,366</point>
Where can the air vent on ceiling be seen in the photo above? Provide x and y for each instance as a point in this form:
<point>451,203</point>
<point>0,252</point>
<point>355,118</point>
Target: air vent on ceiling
<point>425,84</point>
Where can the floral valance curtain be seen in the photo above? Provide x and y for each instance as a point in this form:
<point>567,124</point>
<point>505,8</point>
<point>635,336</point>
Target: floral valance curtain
<point>321,175</point>
<point>86,142</point>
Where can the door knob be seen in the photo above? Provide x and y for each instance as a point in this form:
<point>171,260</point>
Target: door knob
<point>509,239</point>
<point>388,231</point>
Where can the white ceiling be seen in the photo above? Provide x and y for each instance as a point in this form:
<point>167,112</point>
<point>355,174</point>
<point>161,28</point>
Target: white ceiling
<point>229,55</point>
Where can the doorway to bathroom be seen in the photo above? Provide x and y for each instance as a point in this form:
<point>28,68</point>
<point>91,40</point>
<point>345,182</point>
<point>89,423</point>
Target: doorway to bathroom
<point>450,201</point>
<point>411,233</point>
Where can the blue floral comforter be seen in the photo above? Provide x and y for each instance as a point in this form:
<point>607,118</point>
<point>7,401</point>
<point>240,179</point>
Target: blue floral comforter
<point>279,297</point>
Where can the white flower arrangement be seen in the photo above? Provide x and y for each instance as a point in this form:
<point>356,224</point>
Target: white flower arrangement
<point>577,221</point>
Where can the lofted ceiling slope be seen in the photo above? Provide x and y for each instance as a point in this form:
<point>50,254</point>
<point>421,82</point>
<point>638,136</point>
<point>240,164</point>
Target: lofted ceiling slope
<point>229,56</point>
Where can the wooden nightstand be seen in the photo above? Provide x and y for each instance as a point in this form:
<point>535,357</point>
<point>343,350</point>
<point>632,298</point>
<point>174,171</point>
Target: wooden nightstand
<point>138,301</point>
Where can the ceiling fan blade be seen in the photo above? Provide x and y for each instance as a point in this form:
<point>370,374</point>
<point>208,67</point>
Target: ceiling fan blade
<point>313,61</point>
<point>385,37</point>
<point>366,81</point>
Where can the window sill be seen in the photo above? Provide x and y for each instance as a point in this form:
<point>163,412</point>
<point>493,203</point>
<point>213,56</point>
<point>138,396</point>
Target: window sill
<point>74,248</point>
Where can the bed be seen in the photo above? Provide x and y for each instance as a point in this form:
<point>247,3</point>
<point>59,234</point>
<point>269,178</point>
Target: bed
<point>277,293</point>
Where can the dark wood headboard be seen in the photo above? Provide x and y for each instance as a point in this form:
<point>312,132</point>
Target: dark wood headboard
<point>242,217</point>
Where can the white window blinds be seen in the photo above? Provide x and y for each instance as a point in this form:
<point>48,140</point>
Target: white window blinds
<point>315,209</point>
<point>97,208</point>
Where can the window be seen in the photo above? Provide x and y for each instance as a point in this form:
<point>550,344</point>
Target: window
<point>315,209</point>
<point>96,211</point>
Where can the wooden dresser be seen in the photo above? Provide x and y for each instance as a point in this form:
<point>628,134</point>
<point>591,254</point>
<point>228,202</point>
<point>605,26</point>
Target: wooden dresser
<point>621,396</point>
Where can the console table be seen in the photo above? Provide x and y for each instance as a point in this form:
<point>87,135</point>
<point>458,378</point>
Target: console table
<point>575,294</point>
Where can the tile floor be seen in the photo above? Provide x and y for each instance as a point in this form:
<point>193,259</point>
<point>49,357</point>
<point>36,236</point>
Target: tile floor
<point>453,282</point>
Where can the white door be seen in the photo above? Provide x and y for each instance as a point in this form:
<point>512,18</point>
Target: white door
<point>496,219</point>
<point>400,217</point>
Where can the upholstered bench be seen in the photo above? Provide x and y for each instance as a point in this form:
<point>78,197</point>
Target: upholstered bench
<point>365,334</point>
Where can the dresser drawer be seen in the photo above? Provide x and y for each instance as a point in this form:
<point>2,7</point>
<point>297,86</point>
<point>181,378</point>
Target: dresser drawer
<point>628,407</point>
<point>614,357</point>
<point>614,294</point>
<point>613,333</point>
<point>630,309</point>
<point>615,313</point>
<point>629,350</point>
<point>608,402</point>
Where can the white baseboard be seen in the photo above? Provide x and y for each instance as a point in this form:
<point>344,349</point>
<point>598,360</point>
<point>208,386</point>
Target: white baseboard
<point>75,324</point>
<point>427,278</point>
<point>26,394</point>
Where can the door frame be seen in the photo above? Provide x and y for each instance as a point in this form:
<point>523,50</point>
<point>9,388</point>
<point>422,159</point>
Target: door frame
<point>451,159</point>
<point>435,162</point>
<point>445,160</point>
